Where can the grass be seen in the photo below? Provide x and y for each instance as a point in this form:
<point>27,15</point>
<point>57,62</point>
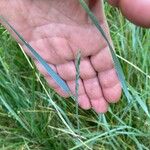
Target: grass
<point>33,116</point>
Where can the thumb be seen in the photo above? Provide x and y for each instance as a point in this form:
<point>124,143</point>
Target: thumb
<point>137,11</point>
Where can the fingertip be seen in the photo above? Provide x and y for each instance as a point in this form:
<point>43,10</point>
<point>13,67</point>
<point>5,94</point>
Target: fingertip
<point>100,105</point>
<point>84,102</point>
<point>113,94</point>
<point>136,11</point>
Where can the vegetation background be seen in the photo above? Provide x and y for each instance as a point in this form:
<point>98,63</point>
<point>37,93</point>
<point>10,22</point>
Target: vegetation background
<point>33,116</point>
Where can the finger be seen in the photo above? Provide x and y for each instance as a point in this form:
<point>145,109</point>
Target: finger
<point>94,92</point>
<point>137,11</point>
<point>83,99</point>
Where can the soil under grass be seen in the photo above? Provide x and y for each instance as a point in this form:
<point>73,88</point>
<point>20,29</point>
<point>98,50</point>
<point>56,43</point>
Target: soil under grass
<point>33,117</point>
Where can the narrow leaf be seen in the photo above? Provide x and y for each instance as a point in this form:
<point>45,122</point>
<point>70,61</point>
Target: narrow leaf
<point>50,71</point>
<point>115,59</point>
<point>13,113</point>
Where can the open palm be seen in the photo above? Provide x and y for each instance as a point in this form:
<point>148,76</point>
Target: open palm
<point>58,30</point>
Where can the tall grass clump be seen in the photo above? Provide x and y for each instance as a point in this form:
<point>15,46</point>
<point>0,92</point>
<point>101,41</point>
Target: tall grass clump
<point>33,116</point>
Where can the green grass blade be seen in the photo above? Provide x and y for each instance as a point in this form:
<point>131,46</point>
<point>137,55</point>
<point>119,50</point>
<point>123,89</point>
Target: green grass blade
<point>13,113</point>
<point>60,112</point>
<point>50,71</point>
<point>139,100</point>
<point>115,59</point>
<point>101,135</point>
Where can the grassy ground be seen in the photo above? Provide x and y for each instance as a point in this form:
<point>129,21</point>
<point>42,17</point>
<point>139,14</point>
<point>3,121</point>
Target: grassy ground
<point>33,116</point>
